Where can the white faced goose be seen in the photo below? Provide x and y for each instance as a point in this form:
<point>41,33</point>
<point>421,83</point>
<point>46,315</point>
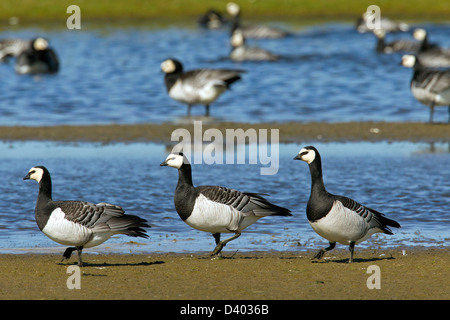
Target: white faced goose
<point>77,223</point>
<point>242,52</point>
<point>217,209</point>
<point>337,218</point>
<point>200,86</point>
<point>252,31</point>
<point>32,56</point>
<point>429,86</point>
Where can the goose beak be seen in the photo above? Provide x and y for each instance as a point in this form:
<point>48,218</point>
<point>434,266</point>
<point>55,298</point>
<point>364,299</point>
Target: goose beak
<point>163,164</point>
<point>298,157</point>
<point>27,177</point>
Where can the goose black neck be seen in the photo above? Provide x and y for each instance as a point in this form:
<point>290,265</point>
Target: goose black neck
<point>170,79</point>
<point>235,23</point>
<point>380,44</point>
<point>185,175</point>
<point>315,169</point>
<point>45,188</point>
<point>44,204</point>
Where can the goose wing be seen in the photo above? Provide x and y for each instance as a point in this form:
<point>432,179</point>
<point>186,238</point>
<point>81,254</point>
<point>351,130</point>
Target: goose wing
<point>371,217</point>
<point>103,217</point>
<point>218,77</point>
<point>250,204</point>
<point>12,47</point>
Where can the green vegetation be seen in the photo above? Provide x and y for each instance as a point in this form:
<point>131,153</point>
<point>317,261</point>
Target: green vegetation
<point>30,11</point>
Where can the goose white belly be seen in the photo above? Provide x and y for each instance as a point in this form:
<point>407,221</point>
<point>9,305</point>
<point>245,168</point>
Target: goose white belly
<point>69,233</point>
<point>210,216</point>
<point>422,95</point>
<point>342,225</point>
<point>206,94</point>
<point>443,98</point>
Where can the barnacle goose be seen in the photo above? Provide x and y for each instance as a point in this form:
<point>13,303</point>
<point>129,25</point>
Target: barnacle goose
<point>77,223</point>
<point>217,209</point>
<point>429,86</point>
<point>242,52</point>
<point>404,45</point>
<point>252,31</point>
<point>337,218</point>
<point>32,56</point>
<point>200,86</point>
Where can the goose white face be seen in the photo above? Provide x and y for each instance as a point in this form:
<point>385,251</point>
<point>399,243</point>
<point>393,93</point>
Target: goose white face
<point>233,8</point>
<point>237,39</point>
<point>379,33</point>
<point>174,160</point>
<point>168,66</point>
<point>35,174</point>
<point>408,61</point>
<point>419,34</point>
<point>307,155</point>
<point>40,44</point>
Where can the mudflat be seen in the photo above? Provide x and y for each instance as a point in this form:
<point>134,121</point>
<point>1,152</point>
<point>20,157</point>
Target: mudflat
<point>288,132</point>
<point>391,274</point>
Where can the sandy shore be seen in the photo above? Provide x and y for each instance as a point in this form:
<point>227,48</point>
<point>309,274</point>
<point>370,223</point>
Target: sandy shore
<point>420,273</point>
<point>288,132</point>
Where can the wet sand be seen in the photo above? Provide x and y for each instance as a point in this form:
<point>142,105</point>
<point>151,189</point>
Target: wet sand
<point>420,274</point>
<point>288,132</point>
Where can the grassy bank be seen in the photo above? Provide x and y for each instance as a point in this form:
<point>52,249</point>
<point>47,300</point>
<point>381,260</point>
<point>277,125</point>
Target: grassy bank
<point>55,10</point>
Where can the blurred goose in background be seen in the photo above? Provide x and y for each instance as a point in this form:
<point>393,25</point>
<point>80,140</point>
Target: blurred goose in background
<point>401,45</point>
<point>252,31</point>
<point>242,52</point>
<point>431,55</point>
<point>386,24</point>
<point>200,86</point>
<point>32,56</point>
<point>429,86</point>
<point>212,19</point>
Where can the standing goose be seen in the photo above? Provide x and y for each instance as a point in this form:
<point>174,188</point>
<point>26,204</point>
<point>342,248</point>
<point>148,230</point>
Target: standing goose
<point>200,86</point>
<point>217,209</point>
<point>242,52</point>
<point>429,86</point>
<point>32,56</point>
<point>77,223</point>
<point>252,31</point>
<point>337,218</point>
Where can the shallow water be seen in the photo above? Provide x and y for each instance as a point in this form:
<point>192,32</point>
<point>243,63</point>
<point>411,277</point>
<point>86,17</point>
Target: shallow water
<point>406,181</point>
<point>109,74</point>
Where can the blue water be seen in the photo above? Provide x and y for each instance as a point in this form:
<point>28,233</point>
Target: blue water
<point>406,181</point>
<point>112,74</point>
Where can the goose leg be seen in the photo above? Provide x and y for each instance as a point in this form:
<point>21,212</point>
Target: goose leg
<point>222,244</point>
<point>351,248</point>
<point>68,253</point>
<point>320,254</point>
<point>79,250</point>
<point>189,110</point>
<point>431,112</point>
<point>217,239</point>
<point>207,110</point>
